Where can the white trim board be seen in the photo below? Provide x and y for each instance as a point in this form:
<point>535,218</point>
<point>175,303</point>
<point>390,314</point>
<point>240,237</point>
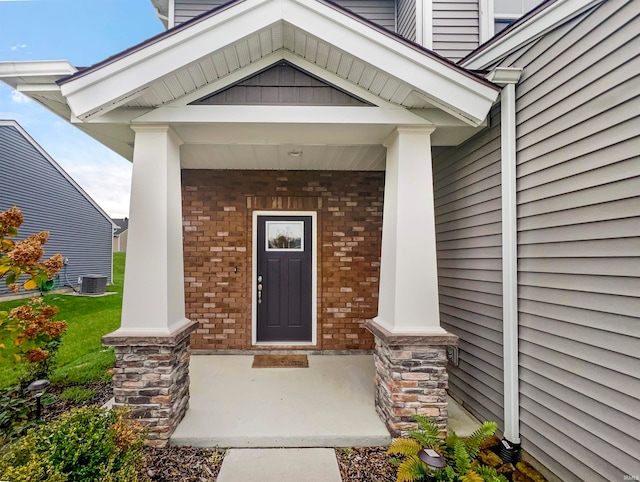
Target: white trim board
<point>314,277</point>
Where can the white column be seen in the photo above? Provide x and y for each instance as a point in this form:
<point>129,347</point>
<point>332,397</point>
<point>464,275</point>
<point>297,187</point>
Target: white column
<point>153,302</point>
<point>408,299</point>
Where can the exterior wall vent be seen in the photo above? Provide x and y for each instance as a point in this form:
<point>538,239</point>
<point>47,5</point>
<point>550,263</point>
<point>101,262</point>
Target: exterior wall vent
<point>93,284</point>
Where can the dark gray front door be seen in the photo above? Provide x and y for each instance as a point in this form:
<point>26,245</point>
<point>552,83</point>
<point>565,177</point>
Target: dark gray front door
<point>284,278</point>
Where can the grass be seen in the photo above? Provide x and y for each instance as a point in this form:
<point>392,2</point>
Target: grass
<point>82,358</point>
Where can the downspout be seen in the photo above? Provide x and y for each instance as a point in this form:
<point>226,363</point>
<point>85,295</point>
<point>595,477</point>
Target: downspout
<point>507,78</point>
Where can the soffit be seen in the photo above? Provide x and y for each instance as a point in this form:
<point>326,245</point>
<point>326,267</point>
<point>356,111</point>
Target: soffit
<point>280,36</point>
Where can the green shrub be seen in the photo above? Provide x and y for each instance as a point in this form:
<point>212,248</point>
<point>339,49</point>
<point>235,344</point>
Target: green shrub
<point>460,454</point>
<point>78,394</point>
<point>16,409</point>
<point>18,412</point>
<point>83,445</point>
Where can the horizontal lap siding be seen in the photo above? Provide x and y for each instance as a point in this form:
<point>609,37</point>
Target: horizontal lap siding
<point>407,19</point>
<point>382,12</point>
<point>51,203</point>
<point>578,116</point>
<point>456,27</point>
<point>468,227</point>
<point>187,9</point>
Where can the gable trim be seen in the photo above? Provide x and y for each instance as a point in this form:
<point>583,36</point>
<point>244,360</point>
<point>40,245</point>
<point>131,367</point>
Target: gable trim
<point>541,20</point>
<point>290,57</point>
<point>457,90</point>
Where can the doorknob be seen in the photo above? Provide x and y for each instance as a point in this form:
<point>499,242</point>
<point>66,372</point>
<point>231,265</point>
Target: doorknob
<point>259,289</point>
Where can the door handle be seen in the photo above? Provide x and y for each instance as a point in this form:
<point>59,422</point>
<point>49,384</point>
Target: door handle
<point>259,289</point>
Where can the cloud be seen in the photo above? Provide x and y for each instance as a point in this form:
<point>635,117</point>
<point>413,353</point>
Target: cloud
<point>18,98</point>
<point>15,48</point>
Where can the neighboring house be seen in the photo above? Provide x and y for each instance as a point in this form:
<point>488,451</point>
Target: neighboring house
<point>52,201</point>
<point>120,235</point>
<point>323,171</point>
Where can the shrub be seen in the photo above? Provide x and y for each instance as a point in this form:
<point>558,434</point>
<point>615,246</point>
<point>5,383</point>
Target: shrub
<point>27,332</point>
<point>78,394</point>
<point>17,412</point>
<point>460,454</point>
<point>85,444</point>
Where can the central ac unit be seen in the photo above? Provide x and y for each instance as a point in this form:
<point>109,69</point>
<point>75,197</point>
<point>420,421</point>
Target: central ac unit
<point>93,284</point>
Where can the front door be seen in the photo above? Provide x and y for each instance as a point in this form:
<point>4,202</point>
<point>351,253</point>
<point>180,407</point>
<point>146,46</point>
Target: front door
<point>284,285</point>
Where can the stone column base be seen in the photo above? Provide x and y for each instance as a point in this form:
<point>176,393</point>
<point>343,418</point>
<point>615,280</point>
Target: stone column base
<point>411,378</point>
<point>152,377</point>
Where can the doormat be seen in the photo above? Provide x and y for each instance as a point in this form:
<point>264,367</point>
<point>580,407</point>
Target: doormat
<point>280,361</point>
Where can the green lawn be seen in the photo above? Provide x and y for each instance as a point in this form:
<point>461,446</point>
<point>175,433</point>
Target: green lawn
<point>81,358</point>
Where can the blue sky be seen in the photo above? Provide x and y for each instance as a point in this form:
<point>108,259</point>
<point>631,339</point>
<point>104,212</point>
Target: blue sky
<point>83,32</point>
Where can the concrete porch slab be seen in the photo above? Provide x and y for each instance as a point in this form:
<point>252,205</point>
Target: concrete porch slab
<point>280,465</point>
<point>329,404</point>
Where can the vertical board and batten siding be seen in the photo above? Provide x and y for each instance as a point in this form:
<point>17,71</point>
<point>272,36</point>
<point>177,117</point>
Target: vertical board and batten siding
<point>578,183</point>
<point>406,21</point>
<point>51,203</point>
<point>382,12</point>
<point>468,237</point>
<point>456,27</point>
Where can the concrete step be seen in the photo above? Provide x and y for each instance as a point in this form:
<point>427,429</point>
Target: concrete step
<point>280,465</point>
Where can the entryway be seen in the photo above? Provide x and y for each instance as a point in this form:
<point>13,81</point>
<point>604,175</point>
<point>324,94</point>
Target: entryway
<point>329,404</point>
<point>285,272</point>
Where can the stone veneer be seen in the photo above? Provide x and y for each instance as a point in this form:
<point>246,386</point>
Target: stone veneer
<point>151,376</point>
<point>411,378</point>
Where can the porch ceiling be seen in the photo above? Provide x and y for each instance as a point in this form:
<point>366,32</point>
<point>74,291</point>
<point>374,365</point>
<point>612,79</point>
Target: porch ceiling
<point>156,81</point>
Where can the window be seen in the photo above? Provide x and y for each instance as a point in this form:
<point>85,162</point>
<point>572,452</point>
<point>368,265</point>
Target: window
<point>285,236</point>
<point>506,12</point>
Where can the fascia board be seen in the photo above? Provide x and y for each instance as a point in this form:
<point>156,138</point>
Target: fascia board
<point>545,21</point>
<point>131,74</point>
<point>460,94</point>
<point>278,114</point>
<point>41,72</point>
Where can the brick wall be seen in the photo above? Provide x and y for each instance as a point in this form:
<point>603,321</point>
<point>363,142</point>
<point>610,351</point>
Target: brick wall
<point>217,213</point>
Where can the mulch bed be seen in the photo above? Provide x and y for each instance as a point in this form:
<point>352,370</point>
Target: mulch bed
<point>103,393</point>
<point>178,464</point>
<point>368,464</point>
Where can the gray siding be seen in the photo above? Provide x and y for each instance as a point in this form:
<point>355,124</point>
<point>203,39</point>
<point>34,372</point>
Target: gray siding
<point>578,124</point>
<point>468,234</point>
<point>382,12</point>
<point>456,27</point>
<point>578,183</point>
<point>187,9</point>
<point>407,19</point>
<point>281,84</point>
<point>51,203</point>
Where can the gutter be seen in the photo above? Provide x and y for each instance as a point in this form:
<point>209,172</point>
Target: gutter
<point>507,78</point>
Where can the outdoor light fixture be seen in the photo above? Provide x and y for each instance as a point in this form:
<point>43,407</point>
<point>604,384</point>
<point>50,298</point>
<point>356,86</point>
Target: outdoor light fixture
<point>37,388</point>
<point>432,458</point>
